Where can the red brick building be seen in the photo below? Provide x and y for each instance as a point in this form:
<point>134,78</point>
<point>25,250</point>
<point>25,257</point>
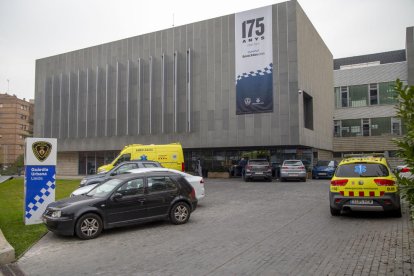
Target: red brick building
<point>16,123</point>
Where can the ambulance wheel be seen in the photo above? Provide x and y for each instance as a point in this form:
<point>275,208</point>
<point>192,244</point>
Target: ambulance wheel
<point>396,213</point>
<point>335,212</point>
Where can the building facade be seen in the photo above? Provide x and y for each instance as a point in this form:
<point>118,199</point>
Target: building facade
<point>178,85</point>
<point>16,123</point>
<point>365,115</point>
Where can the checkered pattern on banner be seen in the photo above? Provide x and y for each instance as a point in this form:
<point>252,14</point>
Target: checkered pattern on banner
<point>39,198</point>
<point>267,70</point>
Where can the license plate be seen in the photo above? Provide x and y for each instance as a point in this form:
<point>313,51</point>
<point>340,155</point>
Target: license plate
<point>293,174</point>
<point>322,173</point>
<point>362,201</point>
<point>259,172</point>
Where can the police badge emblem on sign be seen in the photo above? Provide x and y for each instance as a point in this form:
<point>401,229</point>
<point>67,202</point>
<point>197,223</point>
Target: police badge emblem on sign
<point>41,150</point>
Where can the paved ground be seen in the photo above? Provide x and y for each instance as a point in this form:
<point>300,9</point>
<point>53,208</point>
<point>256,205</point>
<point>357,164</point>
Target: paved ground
<point>255,228</point>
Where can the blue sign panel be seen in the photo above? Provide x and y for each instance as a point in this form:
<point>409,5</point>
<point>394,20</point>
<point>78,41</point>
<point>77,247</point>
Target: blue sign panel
<point>40,189</point>
<point>39,179</point>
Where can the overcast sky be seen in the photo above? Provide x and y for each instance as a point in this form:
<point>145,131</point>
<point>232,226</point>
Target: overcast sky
<point>34,29</point>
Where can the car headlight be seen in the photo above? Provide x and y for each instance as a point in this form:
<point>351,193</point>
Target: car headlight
<point>56,214</point>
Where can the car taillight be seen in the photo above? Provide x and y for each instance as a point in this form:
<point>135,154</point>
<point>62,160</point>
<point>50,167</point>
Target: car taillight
<point>405,169</point>
<point>384,182</point>
<point>339,182</point>
<point>302,167</point>
<point>192,194</point>
<point>182,167</point>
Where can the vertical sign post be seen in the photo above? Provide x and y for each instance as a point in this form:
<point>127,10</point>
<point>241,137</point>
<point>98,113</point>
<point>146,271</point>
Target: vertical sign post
<point>254,61</point>
<point>39,179</point>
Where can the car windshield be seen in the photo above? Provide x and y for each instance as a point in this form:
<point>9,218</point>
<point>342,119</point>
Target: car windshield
<point>105,188</point>
<point>323,163</point>
<point>362,170</point>
<point>292,163</point>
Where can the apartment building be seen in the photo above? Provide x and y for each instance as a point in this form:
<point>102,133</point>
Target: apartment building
<point>16,123</point>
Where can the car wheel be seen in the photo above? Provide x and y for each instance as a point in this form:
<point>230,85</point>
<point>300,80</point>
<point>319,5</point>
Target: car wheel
<point>89,226</point>
<point>335,212</point>
<point>180,213</point>
<point>396,213</point>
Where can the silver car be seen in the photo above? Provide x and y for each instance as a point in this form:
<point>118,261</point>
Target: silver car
<point>196,181</point>
<point>292,169</point>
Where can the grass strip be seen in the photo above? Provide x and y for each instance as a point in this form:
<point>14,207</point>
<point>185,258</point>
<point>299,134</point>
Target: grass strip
<point>19,235</point>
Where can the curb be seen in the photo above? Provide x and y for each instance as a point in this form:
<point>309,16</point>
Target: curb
<point>6,251</point>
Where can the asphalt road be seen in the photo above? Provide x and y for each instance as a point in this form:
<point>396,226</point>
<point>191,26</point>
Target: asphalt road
<point>254,228</point>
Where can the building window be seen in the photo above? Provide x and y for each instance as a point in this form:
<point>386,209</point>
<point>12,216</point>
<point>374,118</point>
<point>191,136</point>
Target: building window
<point>380,126</point>
<point>366,127</point>
<point>307,110</point>
<point>396,126</point>
<point>387,93</point>
<point>351,128</point>
<point>344,96</point>
<point>373,94</point>
<point>337,128</point>
<point>358,95</point>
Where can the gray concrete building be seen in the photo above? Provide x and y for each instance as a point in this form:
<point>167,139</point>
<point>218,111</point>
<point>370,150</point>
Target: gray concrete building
<point>365,116</point>
<point>178,85</point>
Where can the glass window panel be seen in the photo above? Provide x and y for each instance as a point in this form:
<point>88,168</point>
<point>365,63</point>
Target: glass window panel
<point>380,126</point>
<point>396,126</point>
<point>358,95</point>
<point>351,128</point>
<point>344,96</point>
<point>387,93</point>
<point>337,97</point>
<point>373,94</point>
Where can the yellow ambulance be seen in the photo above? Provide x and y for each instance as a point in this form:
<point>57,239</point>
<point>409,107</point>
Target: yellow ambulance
<point>168,155</point>
<point>364,183</point>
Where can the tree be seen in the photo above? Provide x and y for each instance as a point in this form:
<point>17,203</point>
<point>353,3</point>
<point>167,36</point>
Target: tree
<point>405,111</point>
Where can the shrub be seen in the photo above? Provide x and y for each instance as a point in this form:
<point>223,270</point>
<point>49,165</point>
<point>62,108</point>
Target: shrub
<point>405,111</point>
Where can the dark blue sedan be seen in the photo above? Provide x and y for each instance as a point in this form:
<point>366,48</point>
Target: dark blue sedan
<point>324,169</point>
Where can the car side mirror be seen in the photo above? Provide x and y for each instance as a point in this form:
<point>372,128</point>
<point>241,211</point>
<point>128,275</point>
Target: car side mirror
<point>117,196</point>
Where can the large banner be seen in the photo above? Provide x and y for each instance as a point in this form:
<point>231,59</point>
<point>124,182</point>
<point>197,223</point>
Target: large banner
<point>39,179</point>
<point>254,61</point>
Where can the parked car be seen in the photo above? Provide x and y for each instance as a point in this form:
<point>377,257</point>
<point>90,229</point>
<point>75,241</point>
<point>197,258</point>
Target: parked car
<point>364,184</point>
<point>258,169</point>
<point>324,169</point>
<point>119,169</point>
<point>123,200</point>
<point>405,172</point>
<point>196,181</point>
<point>292,169</point>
